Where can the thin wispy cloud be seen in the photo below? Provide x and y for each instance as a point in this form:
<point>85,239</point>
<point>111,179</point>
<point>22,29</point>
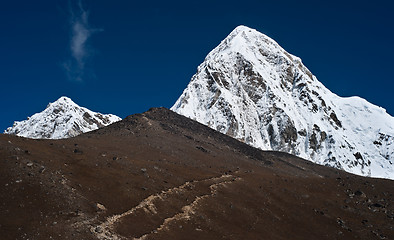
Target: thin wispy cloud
<point>80,49</point>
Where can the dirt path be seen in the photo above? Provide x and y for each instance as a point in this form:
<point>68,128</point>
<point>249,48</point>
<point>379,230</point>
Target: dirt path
<point>148,206</point>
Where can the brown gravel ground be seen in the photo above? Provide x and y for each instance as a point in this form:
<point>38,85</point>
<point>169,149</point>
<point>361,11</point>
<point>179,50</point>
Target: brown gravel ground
<point>159,175</point>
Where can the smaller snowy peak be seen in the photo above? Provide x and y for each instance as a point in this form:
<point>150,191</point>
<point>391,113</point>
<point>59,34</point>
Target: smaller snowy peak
<point>61,119</point>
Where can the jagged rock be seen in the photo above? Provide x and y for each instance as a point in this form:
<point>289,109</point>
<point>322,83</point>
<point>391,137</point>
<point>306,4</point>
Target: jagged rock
<point>251,89</point>
<point>61,119</point>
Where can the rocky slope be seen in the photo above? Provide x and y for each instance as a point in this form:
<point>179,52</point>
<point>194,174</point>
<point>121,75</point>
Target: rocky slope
<point>160,175</point>
<point>252,89</point>
<point>61,119</point>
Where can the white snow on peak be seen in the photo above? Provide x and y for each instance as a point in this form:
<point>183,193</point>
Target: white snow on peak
<point>61,119</point>
<point>250,88</point>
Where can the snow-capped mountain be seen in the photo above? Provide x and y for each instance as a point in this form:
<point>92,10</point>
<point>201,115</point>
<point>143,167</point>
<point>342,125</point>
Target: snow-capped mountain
<point>61,119</point>
<point>252,89</point>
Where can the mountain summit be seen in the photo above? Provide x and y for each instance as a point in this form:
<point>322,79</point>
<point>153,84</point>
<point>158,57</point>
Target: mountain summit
<point>250,88</point>
<point>61,119</point>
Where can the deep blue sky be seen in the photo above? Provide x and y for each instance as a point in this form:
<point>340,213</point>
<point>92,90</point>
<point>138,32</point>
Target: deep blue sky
<point>142,54</point>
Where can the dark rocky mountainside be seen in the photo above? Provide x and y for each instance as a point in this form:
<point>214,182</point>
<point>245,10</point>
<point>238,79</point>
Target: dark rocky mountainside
<point>159,175</point>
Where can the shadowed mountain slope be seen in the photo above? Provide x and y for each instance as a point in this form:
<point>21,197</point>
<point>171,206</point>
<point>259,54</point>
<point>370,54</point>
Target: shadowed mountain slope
<point>159,175</point>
